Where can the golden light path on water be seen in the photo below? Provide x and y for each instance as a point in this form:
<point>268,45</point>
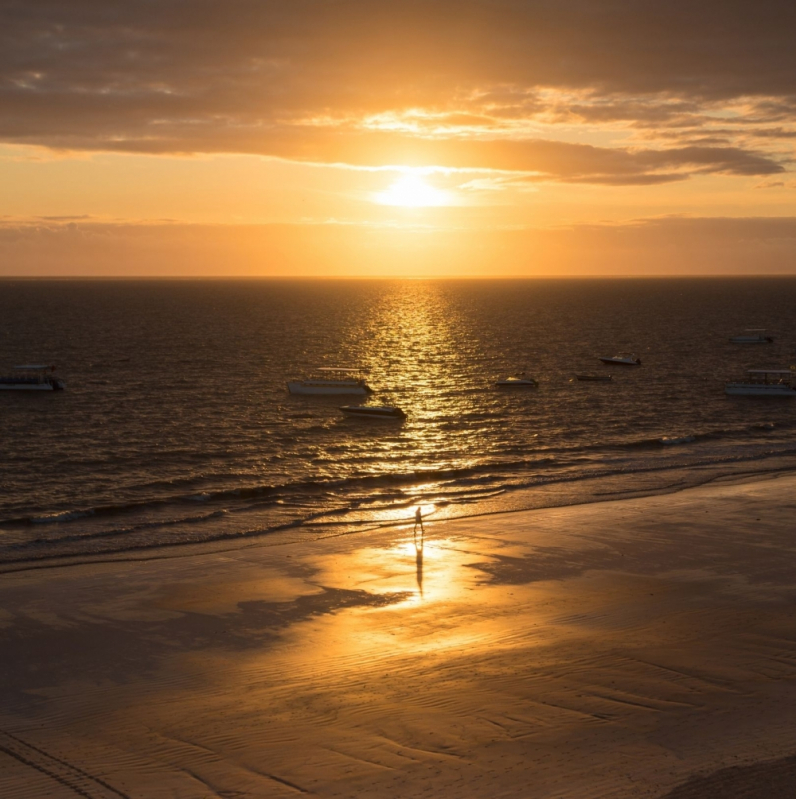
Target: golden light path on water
<point>413,344</point>
<point>416,343</point>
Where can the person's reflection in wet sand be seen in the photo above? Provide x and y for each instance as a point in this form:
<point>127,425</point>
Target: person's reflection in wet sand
<point>419,557</point>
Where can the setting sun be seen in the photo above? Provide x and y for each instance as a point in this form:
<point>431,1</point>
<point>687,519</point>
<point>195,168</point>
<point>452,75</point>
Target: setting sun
<point>411,191</point>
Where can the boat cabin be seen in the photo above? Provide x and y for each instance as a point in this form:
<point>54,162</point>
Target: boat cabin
<point>332,380</point>
<point>769,376</point>
<point>753,335</point>
<point>765,382</point>
<point>32,377</point>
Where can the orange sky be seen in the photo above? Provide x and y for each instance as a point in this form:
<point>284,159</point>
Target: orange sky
<point>355,138</point>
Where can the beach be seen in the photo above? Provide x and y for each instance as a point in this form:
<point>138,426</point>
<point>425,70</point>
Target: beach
<point>641,647</point>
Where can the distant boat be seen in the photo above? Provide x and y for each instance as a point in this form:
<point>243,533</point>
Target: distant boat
<point>754,335</point>
<point>670,441</point>
<point>517,381</point>
<point>332,380</point>
<point>595,378</point>
<point>764,383</point>
<point>374,411</point>
<point>623,360</point>
<point>32,377</point>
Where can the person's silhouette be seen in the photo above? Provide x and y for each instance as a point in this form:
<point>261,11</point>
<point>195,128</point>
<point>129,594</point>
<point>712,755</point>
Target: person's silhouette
<point>419,520</point>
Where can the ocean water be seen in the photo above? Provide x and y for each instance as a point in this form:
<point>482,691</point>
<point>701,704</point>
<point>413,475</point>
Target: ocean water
<point>176,426</point>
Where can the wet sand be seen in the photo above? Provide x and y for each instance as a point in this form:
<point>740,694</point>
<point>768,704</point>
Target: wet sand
<point>633,648</point>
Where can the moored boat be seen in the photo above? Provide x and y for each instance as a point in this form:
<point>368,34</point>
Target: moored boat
<point>517,381</point>
<point>331,380</point>
<point>622,360</point>
<point>764,383</point>
<point>373,411</point>
<point>755,335</point>
<point>32,377</point>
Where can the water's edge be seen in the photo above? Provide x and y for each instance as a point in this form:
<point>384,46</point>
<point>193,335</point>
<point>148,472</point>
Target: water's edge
<point>526,500</point>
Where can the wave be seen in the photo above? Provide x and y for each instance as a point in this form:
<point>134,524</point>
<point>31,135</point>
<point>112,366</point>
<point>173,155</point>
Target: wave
<point>717,434</point>
<point>120,532</point>
<point>365,487</point>
<point>336,521</point>
<point>364,491</point>
<point>64,516</point>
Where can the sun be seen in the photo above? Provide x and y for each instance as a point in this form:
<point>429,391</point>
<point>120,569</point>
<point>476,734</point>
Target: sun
<point>411,191</point>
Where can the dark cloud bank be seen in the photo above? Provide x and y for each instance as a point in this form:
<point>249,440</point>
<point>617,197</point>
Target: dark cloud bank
<point>295,79</point>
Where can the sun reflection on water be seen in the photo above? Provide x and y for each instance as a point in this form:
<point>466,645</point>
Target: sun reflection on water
<point>412,344</point>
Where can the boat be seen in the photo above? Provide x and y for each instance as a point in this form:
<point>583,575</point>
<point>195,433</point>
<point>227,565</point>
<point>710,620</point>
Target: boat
<point>594,378</point>
<point>623,360</point>
<point>332,380</point>
<point>517,381</point>
<point>754,335</point>
<point>32,377</point>
<point>374,411</point>
<point>765,383</point>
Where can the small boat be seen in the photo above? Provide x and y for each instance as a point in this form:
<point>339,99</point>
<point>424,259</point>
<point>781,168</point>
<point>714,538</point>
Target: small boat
<point>374,411</point>
<point>764,383</point>
<point>332,380</point>
<point>754,335</point>
<point>32,377</point>
<point>517,381</point>
<point>595,378</point>
<point>623,360</point>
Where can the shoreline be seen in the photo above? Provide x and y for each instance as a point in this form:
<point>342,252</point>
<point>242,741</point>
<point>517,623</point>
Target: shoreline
<point>625,648</point>
<point>291,533</point>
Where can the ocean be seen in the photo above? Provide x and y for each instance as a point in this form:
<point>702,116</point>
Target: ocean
<point>176,426</point>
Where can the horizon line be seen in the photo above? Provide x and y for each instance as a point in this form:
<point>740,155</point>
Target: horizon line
<point>330,278</point>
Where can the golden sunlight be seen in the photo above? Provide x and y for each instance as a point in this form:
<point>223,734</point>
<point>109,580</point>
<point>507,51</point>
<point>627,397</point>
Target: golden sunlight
<point>411,191</point>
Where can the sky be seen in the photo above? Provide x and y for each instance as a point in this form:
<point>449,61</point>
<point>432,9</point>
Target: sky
<point>397,138</point>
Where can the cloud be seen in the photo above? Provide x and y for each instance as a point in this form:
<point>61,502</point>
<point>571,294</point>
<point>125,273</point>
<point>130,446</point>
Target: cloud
<point>772,183</point>
<point>66,218</point>
<point>301,79</point>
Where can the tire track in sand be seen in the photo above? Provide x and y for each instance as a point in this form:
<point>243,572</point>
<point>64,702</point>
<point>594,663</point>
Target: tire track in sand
<point>73,777</point>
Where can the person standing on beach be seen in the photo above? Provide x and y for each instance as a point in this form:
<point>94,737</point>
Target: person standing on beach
<point>419,520</point>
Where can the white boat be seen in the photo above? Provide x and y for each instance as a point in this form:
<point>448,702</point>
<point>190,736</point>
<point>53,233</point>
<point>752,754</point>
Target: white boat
<point>764,383</point>
<point>754,335</point>
<point>32,377</point>
<point>331,380</point>
<point>517,381</point>
<point>374,411</point>
<point>623,360</point>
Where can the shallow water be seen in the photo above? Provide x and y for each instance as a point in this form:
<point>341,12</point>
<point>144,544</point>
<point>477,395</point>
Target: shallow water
<point>176,425</point>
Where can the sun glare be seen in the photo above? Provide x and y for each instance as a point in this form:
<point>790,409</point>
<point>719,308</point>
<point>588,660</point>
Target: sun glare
<point>411,191</point>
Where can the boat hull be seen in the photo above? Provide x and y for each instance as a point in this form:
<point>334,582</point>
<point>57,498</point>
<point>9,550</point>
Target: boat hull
<point>330,388</point>
<point>516,384</point>
<point>750,390</point>
<point>615,362</point>
<point>56,386</point>
<point>373,412</point>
